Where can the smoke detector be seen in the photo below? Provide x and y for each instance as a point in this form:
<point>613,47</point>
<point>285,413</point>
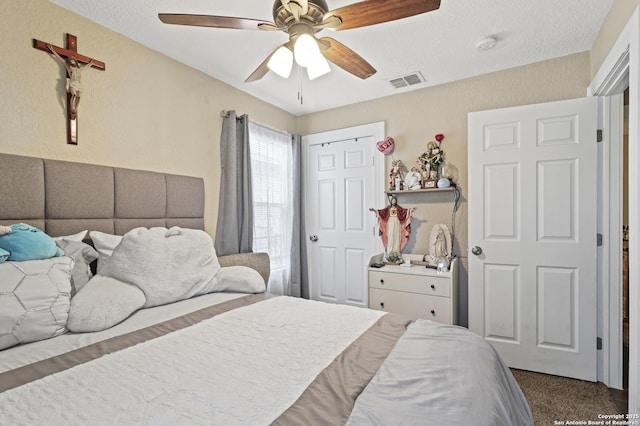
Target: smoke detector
<point>486,44</point>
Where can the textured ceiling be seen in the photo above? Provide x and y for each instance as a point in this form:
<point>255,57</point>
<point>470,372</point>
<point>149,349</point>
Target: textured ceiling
<point>440,44</point>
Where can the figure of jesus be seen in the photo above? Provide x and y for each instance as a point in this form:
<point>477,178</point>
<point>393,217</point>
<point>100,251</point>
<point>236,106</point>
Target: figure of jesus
<point>394,223</point>
<point>74,83</point>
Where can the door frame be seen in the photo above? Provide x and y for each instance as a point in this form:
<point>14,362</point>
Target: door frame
<point>621,64</point>
<point>375,130</point>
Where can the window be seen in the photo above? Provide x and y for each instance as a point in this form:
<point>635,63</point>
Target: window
<point>271,178</point>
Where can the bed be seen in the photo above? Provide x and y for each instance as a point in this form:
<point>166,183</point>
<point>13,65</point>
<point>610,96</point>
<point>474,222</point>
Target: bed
<point>230,355</point>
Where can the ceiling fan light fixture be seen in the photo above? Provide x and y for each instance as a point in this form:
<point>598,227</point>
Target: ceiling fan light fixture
<point>306,50</point>
<point>281,62</point>
<point>318,67</point>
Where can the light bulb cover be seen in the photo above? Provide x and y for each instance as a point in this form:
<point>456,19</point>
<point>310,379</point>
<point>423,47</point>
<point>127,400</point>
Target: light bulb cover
<point>318,67</point>
<point>305,50</point>
<point>281,62</point>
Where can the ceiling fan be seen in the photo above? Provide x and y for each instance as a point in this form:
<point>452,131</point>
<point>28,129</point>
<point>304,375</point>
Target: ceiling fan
<point>302,19</point>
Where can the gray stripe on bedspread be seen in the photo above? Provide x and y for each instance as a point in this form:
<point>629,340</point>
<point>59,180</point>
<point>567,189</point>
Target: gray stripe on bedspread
<point>28,373</point>
<point>330,398</point>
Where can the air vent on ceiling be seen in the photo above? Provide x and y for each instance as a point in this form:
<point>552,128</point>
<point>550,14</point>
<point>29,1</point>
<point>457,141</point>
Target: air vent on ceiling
<point>407,80</point>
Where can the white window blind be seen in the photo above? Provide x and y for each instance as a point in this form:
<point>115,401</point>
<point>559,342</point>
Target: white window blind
<point>271,177</point>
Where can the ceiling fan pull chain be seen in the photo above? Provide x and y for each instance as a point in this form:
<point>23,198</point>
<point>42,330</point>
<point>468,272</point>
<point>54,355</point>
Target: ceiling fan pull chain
<point>300,85</point>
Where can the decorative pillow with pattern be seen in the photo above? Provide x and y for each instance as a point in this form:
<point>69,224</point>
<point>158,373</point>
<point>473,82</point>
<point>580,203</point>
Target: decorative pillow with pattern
<point>34,299</point>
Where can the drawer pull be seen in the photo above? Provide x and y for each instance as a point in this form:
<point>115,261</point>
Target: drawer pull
<point>433,286</point>
<point>382,305</point>
<point>381,282</point>
<point>433,312</point>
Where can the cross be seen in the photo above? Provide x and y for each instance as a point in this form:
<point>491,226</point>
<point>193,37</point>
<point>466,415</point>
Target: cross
<point>74,63</point>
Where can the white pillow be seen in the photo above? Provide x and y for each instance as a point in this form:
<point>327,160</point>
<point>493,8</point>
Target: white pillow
<point>35,299</point>
<point>240,279</point>
<point>104,245</point>
<point>83,254</point>
<point>74,237</point>
<point>102,303</point>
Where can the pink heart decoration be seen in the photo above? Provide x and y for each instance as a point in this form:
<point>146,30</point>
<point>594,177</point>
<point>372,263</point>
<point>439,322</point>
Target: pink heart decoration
<point>386,146</point>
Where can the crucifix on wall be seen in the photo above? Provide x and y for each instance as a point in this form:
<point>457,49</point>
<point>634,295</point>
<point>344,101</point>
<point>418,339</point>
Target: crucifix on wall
<point>74,63</point>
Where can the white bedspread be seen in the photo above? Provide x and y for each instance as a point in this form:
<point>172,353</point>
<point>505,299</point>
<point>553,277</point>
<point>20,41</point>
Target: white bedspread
<point>21,355</point>
<point>243,367</point>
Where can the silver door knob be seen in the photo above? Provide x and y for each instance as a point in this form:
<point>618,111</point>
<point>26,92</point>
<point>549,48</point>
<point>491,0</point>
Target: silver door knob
<point>476,250</point>
<point>313,238</point>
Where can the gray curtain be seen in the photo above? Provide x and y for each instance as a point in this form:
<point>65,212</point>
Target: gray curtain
<point>234,232</point>
<point>299,275</point>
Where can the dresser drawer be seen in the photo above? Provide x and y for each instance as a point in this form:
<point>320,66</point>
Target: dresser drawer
<point>438,286</point>
<point>411,305</point>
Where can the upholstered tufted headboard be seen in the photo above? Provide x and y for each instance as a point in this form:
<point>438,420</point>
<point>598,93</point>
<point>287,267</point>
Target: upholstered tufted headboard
<point>63,198</point>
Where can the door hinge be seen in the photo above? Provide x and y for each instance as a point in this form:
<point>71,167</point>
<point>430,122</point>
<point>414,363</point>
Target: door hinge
<point>599,239</point>
<point>599,343</point>
<point>599,137</point>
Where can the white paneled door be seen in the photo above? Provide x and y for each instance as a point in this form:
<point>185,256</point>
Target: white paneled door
<point>340,226</point>
<point>532,235</point>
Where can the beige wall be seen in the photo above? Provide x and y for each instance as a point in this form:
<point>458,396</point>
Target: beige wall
<point>616,20</point>
<point>145,111</point>
<point>413,118</point>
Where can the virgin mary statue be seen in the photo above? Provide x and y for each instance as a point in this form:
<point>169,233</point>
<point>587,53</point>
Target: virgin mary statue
<point>394,224</point>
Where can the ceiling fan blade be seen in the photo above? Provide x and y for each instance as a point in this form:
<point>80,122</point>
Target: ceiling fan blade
<point>259,72</point>
<point>371,12</point>
<point>263,68</point>
<point>211,21</point>
<point>345,58</point>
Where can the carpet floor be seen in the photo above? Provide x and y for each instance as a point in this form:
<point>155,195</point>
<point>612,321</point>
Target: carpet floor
<point>558,399</point>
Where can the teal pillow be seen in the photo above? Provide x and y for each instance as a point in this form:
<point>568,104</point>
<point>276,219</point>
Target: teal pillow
<point>4,255</point>
<point>28,243</point>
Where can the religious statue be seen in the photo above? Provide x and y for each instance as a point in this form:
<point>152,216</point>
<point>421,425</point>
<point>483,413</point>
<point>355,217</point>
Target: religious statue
<point>74,83</point>
<point>440,246</point>
<point>396,175</point>
<point>394,224</point>
<point>430,161</point>
<point>413,179</point>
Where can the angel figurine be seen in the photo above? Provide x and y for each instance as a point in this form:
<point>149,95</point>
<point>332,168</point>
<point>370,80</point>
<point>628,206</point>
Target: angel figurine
<point>396,175</point>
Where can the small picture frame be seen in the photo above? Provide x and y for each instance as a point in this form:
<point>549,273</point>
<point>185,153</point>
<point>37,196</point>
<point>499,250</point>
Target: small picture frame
<point>429,184</point>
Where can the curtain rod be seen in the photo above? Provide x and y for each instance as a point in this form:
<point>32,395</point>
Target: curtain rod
<point>224,114</point>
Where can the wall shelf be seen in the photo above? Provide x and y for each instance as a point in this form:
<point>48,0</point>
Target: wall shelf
<point>418,191</point>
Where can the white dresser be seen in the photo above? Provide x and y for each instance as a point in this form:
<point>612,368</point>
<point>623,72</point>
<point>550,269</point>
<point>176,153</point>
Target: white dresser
<point>416,291</point>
